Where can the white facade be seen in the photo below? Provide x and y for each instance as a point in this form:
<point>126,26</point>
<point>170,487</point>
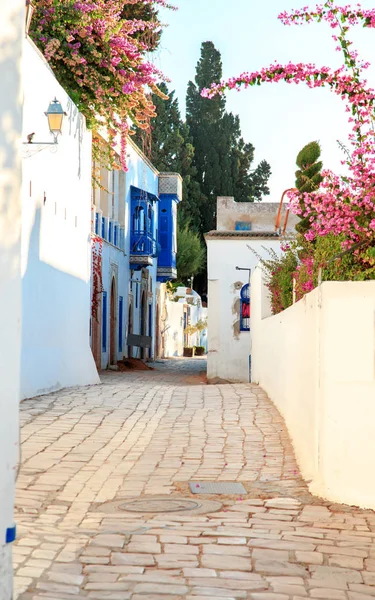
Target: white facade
<point>240,226</point>
<point>128,301</point>
<point>229,348</point>
<point>316,362</point>
<point>178,311</point>
<point>11,33</point>
<point>56,250</point>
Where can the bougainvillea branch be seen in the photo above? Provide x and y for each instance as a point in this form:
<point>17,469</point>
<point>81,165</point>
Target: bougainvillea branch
<point>96,268</point>
<point>343,206</point>
<point>98,56</point>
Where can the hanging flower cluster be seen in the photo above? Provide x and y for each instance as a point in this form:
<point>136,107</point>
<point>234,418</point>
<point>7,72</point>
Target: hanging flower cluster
<point>98,56</point>
<point>342,206</point>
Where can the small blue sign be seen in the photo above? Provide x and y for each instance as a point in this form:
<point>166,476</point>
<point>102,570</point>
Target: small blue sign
<point>242,226</point>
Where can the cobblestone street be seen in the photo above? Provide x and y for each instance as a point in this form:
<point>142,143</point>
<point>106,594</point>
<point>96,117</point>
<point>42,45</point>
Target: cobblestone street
<point>149,433</point>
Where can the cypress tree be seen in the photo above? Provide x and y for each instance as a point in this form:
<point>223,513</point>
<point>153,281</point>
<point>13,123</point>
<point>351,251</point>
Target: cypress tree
<point>222,158</point>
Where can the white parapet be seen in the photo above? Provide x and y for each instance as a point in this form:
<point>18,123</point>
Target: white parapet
<point>316,361</point>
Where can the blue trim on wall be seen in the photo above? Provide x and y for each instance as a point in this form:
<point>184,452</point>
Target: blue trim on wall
<point>120,320</point>
<point>10,534</point>
<point>104,323</point>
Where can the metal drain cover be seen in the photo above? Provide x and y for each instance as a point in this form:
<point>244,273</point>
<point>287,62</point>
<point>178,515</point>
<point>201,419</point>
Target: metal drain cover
<point>158,504</point>
<point>228,488</point>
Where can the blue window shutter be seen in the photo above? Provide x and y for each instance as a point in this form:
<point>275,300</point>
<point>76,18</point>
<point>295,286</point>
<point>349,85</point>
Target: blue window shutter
<point>120,319</point>
<point>104,323</point>
<point>97,223</point>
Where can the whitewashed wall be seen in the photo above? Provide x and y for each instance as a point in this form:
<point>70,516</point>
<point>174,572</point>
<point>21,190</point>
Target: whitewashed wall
<point>174,324</point>
<point>115,264</point>
<point>228,348</point>
<point>56,219</point>
<point>316,360</point>
<point>11,33</point>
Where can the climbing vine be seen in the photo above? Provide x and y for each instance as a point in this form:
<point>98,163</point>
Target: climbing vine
<point>97,281</point>
<point>343,207</point>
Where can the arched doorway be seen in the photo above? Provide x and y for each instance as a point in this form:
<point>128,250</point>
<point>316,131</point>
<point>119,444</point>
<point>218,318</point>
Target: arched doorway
<point>113,328</point>
<point>96,326</point>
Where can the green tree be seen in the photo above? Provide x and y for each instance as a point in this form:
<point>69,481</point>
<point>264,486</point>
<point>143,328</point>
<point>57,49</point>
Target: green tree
<point>308,177</point>
<point>191,253</point>
<point>148,13</point>
<point>169,147</point>
<point>222,159</point>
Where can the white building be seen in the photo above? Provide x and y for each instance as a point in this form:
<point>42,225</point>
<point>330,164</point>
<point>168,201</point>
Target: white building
<point>134,216</point>
<point>240,228</point>
<point>181,309</point>
<point>56,249</point>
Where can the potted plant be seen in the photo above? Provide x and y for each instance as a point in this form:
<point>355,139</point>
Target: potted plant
<point>188,351</point>
<point>199,350</point>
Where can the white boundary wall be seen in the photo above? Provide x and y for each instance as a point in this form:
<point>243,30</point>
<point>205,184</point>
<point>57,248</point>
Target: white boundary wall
<point>11,32</point>
<point>56,248</point>
<point>316,361</point>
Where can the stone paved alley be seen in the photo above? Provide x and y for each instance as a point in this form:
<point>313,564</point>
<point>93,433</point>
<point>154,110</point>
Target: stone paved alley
<point>148,434</point>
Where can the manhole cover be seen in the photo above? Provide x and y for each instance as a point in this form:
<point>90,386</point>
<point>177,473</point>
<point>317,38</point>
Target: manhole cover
<point>159,504</point>
<point>207,487</point>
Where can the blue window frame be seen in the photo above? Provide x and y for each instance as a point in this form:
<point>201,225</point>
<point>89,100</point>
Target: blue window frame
<point>120,320</point>
<point>104,227</point>
<point>104,323</point>
<point>97,223</point>
<point>115,235</point>
<point>245,308</point>
<point>110,230</point>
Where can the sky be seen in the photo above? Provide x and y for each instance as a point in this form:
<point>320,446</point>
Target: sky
<point>278,119</point>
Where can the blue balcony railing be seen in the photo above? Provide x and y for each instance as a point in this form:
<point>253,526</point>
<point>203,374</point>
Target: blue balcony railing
<point>142,243</point>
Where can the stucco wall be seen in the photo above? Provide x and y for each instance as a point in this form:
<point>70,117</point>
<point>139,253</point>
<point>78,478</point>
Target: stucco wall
<point>316,360</point>
<point>261,215</point>
<point>56,223</point>
<point>228,347</point>
<point>174,334</point>
<point>11,34</point>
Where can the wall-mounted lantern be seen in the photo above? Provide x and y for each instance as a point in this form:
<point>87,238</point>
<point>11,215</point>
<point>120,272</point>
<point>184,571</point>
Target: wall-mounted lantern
<point>55,115</point>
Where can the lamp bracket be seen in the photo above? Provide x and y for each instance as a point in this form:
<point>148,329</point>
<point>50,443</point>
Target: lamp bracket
<point>29,150</point>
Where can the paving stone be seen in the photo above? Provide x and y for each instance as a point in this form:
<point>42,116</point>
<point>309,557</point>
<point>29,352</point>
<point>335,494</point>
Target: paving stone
<point>132,559</point>
<point>237,563</point>
<point>151,433</point>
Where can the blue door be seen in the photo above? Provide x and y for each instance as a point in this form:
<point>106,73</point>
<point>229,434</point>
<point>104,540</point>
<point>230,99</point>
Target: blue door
<point>120,322</point>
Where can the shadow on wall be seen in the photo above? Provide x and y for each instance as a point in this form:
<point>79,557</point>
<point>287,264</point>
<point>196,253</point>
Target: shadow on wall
<point>55,326</point>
